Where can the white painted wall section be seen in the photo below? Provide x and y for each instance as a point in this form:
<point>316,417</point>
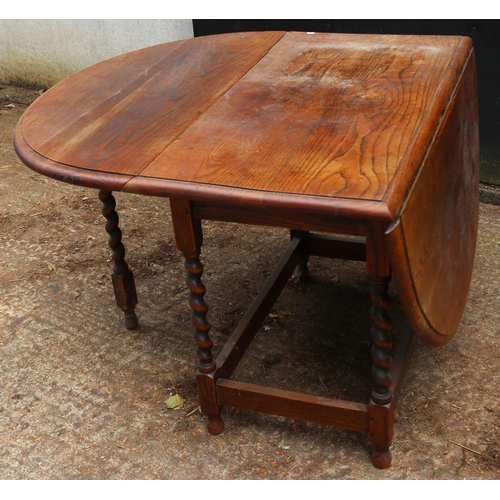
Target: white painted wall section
<point>39,53</point>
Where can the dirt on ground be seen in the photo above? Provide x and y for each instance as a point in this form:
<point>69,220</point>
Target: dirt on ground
<point>82,397</point>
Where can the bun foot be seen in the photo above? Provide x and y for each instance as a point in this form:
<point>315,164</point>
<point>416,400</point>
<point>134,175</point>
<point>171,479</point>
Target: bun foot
<point>131,320</point>
<point>381,457</point>
<point>302,272</point>
<point>215,424</point>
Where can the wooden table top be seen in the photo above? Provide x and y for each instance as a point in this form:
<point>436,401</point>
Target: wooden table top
<point>331,122</point>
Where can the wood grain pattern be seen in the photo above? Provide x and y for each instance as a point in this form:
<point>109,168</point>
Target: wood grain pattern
<point>117,116</point>
<point>432,247</point>
<point>64,173</point>
<point>333,123</point>
<point>298,130</point>
<point>321,114</point>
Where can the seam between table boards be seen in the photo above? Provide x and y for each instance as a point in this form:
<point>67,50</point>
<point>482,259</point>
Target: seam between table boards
<point>211,105</point>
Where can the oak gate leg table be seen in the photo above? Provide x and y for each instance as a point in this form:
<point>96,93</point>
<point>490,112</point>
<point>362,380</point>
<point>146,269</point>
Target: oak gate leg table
<point>328,135</point>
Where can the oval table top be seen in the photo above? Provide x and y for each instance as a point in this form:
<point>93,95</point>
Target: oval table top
<point>331,120</point>
<point>326,123</point>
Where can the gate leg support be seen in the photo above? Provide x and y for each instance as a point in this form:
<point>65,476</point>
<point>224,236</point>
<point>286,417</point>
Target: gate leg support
<point>122,277</point>
<point>302,270</point>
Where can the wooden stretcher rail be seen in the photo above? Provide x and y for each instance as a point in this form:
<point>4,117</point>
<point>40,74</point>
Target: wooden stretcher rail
<point>247,328</point>
<point>323,245</point>
<point>320,410</point>
<point>279,217</point>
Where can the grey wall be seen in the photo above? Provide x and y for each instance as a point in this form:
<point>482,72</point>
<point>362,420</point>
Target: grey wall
<point>39,53</point>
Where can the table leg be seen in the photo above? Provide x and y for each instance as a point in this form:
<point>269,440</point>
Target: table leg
<point>381,421</point>
<point>123,279</point>
<point>380,412</point>
<point>302,270</point>
<point>189,239</point>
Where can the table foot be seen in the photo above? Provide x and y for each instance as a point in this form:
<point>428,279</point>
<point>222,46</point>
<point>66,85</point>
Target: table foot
<point>215,424</point>
<point>381,457</point>
<point>302,272</point>
<point>131,321</point>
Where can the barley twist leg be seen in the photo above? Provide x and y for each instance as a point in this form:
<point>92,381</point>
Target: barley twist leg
<point>123,279</point>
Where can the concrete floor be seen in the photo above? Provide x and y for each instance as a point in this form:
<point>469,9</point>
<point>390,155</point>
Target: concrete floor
<point>82,397</point>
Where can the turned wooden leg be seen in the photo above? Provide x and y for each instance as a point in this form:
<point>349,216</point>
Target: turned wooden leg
<point>123,279</point>
<point>188,237</point>
<point>302,270</point>
<point>194,271</point>
<point>380,412</point>
<point>381,338</point>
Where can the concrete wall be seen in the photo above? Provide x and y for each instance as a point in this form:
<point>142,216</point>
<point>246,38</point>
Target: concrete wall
<point>39,53</point>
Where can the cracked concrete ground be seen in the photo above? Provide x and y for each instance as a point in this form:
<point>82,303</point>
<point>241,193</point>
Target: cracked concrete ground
<point>83,398</point>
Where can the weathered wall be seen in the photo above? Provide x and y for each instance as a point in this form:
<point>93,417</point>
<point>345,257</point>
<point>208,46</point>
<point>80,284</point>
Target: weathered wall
<point>39,53</point>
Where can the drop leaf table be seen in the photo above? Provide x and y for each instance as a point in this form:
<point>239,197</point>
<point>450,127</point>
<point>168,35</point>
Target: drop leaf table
<point>364,146</point>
